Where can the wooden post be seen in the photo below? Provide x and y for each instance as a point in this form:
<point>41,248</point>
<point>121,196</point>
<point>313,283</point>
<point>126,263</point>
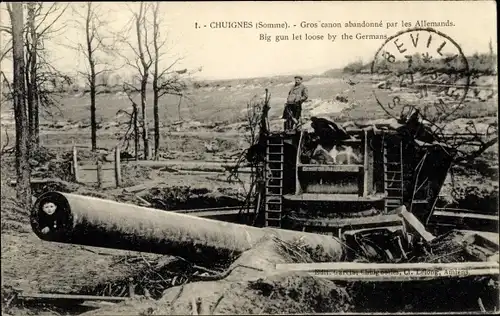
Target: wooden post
<point>75,164</point>
<point>365,165</point>
<point>131,287</point>
<point>150,152</point>
<point>118,170</point>
<point>368,166</point>
<point>99,174</point>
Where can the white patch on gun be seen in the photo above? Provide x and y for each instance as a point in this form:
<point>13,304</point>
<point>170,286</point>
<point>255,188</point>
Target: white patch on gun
<point>344,155</point>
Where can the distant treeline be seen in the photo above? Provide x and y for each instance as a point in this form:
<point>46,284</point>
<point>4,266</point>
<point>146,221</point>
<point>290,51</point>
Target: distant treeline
<point>479,64</point>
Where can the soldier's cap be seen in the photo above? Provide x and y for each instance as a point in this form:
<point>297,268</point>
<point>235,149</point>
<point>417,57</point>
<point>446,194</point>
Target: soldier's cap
<point>300,77</point>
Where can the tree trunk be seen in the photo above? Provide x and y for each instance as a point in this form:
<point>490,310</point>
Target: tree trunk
<point>29,93</point>
<point>136,133</point>
<point>156,118</point>
<point>22,133</point>
<point>36,118</point>
<point>91,76</point>
<point>145,136</point>
<point>32,81</point>
<point>140,21</point>
<point>93,123</point>
<point>33,103</point>
<point>155,80</point>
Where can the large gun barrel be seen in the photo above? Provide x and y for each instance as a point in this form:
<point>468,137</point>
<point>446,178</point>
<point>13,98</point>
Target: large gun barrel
<point>83,220</point>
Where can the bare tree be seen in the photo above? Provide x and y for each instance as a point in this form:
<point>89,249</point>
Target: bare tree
<point>31,63</point>
<point>132,123</point>
<point>165,81</point>
<point>97,45</point>
<point>156,75</point>
<point>5,53</point>
<point>150,64</point>
<point>144,60</point>
<point>22,130</point>
<point>41,25</point>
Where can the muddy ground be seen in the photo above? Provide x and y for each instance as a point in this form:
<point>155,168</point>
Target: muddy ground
<point>61,268</point>
<point>30,264</point>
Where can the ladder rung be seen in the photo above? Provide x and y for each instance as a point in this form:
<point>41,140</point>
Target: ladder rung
<point>275,181</point>
<point>275,145</point>
<point>393,189</point>
<point>273,207</point>
<point>393,199</point>
<point>274,211</point>
<point>274,215</point>
<point>272,194</point>
<point>274,191</point>
<point>275,161</point>
<point>419,202</point>
<point>393,180</point>
<point>272,202</point>
<point>273,186</point>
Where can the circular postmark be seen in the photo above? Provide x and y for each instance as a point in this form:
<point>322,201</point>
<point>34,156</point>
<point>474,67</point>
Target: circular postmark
<point>420,69</point>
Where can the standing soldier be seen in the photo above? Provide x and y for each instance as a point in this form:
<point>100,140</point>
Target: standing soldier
<point>293,105</point>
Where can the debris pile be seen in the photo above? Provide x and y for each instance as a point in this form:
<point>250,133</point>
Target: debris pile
<point>184,197</point>
<point>249,286</point>
<point>385,245</point>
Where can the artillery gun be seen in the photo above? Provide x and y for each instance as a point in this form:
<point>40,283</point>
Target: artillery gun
<point>309,181</point>
<point>381,167</point>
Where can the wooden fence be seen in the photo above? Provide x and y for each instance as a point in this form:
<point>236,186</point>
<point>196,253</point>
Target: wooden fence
<point>104,174</point>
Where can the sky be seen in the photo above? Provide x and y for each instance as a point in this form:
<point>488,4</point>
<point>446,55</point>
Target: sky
<point>226,53</point>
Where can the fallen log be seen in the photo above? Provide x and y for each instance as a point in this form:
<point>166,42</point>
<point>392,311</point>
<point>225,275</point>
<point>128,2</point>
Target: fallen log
<point>210,209</point>
<point>44,181</point>
<point>464,220</point>
<point>71,297</point>
<point>142,187</point>
<point>97,222</point>
<point>389,272</point>
<point>353,222</point>
<point>486,239</point>
<point>412,224</point>
<point>143,201</point>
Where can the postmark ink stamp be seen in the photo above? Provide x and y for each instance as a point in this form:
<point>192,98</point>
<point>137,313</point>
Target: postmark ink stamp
<point>420,69</point>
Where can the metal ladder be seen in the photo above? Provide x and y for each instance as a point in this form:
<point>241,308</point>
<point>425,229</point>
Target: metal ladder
<point>274,181</point>
<point>393,173</point>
